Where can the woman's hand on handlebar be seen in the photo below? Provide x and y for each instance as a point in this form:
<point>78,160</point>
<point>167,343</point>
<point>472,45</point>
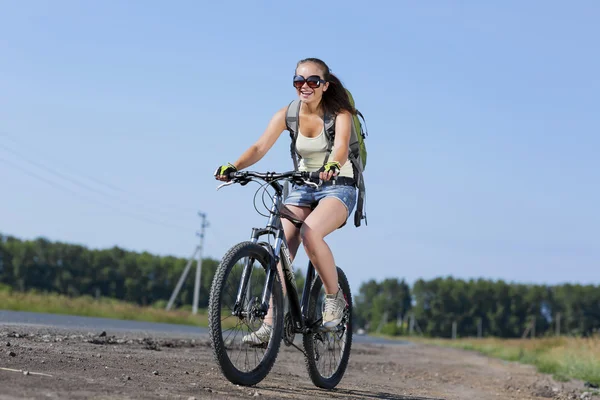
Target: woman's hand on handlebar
<point>222,173</point>
<point>329,170</point>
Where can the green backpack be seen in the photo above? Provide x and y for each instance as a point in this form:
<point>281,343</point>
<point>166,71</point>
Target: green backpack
<point>357,152</point>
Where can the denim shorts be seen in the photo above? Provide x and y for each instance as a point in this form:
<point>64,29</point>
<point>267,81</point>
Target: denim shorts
<point>308,196</point>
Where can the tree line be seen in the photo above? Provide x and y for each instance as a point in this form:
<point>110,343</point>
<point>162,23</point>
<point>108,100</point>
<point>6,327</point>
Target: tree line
<point>74,270</point>
<point>440,307</point>
<point>444,307</point>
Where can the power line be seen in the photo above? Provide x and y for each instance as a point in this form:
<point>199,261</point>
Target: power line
<point>74,181</point>
<point>94,200</point>
<point>78,182</point>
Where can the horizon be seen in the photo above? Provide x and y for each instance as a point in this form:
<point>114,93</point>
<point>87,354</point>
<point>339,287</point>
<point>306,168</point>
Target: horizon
<point>482,118</point>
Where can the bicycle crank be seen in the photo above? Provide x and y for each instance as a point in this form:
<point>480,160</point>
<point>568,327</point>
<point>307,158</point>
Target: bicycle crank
<point>289,332</point>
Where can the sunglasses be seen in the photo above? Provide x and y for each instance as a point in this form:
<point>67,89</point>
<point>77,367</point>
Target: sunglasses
<point>313,81</point>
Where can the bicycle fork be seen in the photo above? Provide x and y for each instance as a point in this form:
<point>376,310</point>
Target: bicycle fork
<point>243,292</point>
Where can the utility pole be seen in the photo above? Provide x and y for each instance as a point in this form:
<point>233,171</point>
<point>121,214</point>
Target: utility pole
<point>199,264</point>
<point>198,252</point>
<point>454,326</point>
<point>382,321</point>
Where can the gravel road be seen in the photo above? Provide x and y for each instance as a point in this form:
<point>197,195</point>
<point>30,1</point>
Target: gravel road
<point>82,362</point>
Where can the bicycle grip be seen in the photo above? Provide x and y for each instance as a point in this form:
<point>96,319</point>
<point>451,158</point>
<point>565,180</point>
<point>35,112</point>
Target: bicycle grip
<point>314,176</point>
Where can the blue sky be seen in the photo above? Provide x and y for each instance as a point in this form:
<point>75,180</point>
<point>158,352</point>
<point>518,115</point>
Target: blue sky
<point>483,127</point>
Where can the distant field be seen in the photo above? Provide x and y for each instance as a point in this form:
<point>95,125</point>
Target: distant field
<point>90,307</point>
<point>563,357</point>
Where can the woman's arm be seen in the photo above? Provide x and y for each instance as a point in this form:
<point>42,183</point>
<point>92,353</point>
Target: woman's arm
<point>341,142</point>
<point>257,151</point>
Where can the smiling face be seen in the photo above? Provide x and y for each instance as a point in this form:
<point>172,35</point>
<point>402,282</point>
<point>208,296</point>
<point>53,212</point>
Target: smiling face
<point>310,83</point>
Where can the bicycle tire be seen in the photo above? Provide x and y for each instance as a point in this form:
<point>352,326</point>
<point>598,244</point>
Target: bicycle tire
<point>309,339</point>
<point>229,370</point>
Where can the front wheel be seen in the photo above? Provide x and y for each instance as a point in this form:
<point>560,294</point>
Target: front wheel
<point>327,352</point>
<point>233,335</point>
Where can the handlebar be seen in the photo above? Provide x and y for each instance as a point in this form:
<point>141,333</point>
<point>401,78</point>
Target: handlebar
<point>273,176</point>
<point>298,177</point>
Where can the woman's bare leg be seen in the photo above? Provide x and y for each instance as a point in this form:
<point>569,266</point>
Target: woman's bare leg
<point>328,216</point>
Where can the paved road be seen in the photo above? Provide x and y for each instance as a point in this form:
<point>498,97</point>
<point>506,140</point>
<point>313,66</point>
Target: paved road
<point>107,324</point>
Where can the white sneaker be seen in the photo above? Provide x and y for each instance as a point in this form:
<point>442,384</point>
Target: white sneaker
<point>262,335</point>
<point>333,309</point>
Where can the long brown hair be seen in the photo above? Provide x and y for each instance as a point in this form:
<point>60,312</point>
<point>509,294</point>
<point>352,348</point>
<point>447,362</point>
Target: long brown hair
<point>335,98</point>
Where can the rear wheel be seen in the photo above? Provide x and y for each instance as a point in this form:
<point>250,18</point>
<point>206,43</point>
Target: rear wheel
<point>243,363</point>
<point>327,353</point>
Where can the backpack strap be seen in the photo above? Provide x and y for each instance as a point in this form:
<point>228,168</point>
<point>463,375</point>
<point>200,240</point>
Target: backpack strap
<point>366,131</point>
<point>329,123</point>
<point>359,213</point>
<point>360,203</point>
<point>292,121</point>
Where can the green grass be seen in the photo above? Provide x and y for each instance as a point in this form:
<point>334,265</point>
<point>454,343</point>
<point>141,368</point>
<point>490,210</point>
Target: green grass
<point>563,357</point>
<point>91,307</point>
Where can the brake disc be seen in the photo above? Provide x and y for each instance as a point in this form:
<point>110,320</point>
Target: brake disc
<point>288,330</point>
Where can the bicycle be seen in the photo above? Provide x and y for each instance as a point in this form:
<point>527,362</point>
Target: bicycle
<point>290,316</point>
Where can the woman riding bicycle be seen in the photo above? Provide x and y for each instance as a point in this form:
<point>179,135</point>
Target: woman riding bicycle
<point>322,209</point>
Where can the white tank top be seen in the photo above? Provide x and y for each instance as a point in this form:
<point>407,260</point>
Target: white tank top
<point>313,152</point>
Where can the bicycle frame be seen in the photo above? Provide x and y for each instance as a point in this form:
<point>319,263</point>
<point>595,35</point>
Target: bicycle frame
<point>279,252</point>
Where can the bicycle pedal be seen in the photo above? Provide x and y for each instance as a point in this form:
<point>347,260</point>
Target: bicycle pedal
<point>259,345</point>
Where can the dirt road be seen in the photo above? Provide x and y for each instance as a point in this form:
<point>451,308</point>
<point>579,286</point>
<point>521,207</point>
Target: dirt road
<point>84,365</point>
